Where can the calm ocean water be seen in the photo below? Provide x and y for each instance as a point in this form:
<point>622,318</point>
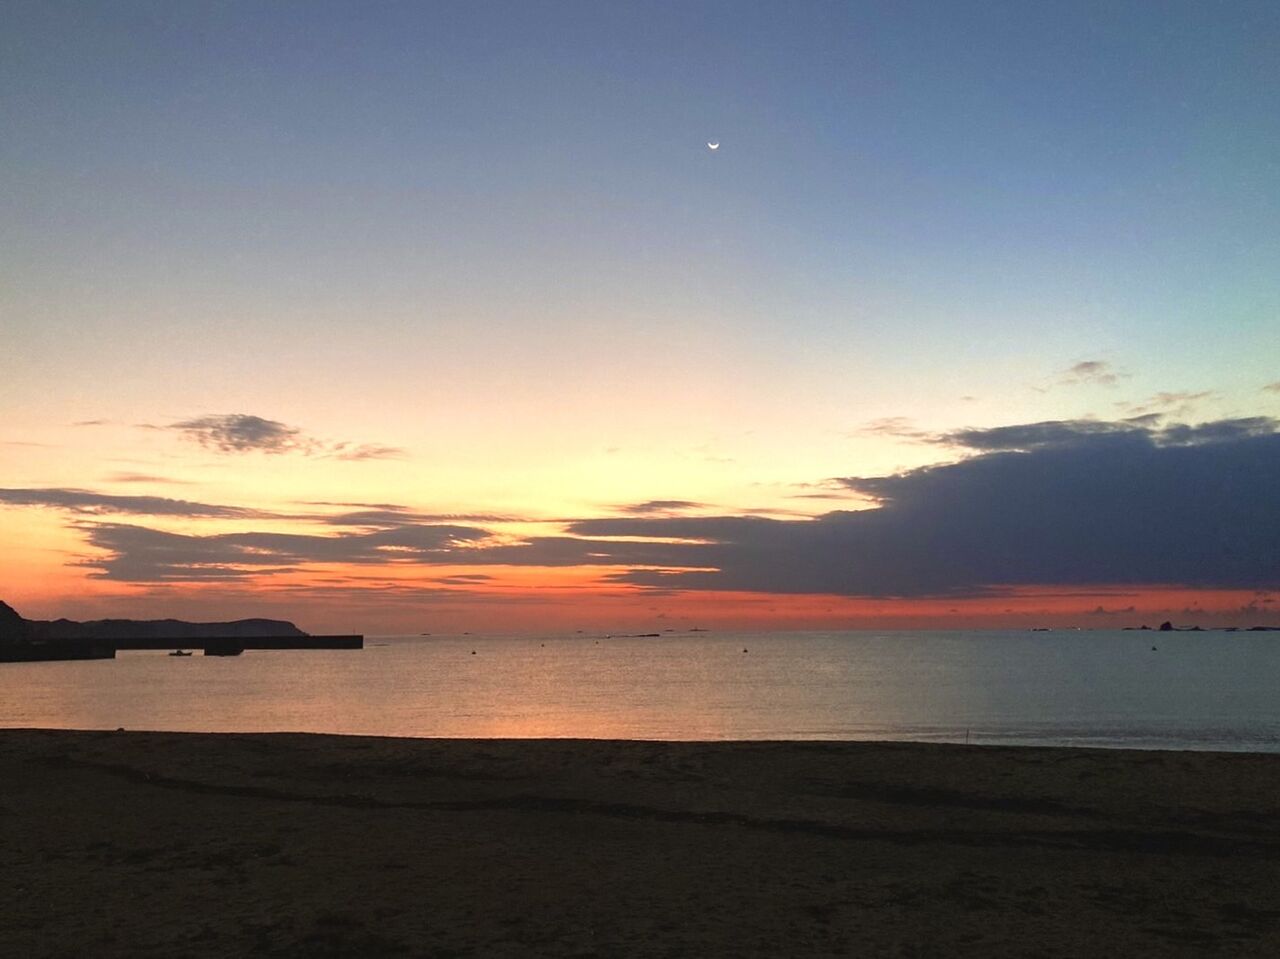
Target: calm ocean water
<point>1196,691</point>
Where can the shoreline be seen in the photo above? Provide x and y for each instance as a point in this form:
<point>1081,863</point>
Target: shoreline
<point>133,843</point>
<point>980,739</point>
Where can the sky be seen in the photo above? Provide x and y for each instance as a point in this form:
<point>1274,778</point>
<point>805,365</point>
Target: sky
<point>405,317</point>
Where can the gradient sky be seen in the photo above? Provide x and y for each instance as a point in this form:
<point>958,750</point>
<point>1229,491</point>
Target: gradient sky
<point>471,267</point>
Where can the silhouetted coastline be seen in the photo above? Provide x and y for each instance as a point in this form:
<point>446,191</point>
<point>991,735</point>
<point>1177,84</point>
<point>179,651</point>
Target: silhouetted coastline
<point>25,640</point>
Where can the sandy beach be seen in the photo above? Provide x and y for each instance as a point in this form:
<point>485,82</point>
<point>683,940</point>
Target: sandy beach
<point>159,844</point>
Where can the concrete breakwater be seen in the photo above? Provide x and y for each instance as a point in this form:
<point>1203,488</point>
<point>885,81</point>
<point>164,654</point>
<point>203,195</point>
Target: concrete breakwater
<point>69,649</point>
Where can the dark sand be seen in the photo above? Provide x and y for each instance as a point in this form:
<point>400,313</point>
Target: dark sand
<point>150,844</point>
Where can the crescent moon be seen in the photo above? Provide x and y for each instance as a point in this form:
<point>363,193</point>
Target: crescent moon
<point>712,146</point>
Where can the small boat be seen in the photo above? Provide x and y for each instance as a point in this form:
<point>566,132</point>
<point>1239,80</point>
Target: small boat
<point>179,652</point>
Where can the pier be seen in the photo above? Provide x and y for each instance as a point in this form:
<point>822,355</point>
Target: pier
<point>59,650</point>
<point>68,649</point>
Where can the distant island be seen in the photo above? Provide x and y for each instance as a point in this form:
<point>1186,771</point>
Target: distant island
<point>1168,627</point>
<point>15,628</point>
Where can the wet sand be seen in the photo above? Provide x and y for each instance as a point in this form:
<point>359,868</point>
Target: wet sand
<point>159,844</point>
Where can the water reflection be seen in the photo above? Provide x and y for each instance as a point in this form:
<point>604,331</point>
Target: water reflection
<point>1199,691</point>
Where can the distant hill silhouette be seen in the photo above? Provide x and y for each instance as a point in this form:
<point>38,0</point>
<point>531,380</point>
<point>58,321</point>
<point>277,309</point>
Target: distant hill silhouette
<point>13,628</point>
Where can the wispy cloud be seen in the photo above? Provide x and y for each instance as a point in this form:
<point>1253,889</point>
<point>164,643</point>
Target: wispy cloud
<point>1272,387</point>
<point>380,516</point>
<point>1167,404</point>
<point>388,516</point>
<point>902,427</point>
<point>843,494</point>
<point>89,502</point>
<point>144,478</point>
<point>246,433</point>
<point>828,489</point>
<point>353,505</point>
<point>1096,372</point>
<point>364,451</point>
<point>659,506</point>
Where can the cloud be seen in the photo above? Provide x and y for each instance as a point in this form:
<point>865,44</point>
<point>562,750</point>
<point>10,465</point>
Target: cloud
<point>86,501</point>
<point>91,423</point>
<point>1030,436</point>
<point>1140,430</point>
<point>245,433</point>
<point>1043,504</point>
<point>365,451</point>
<point>1144,419</point>
<point>139,554</point>
<point>382,506</point>
<point>1027,436</point>
<point>1069,504</point>
<point>1091,371</point>
<point>828,489</point>
<point>1218,432</point>
<point>380,516</point>
<point>659,506</point>
<point>387,516</point>
<point>146,555</point>
<point>900,426</point>
<point>774,511</point>
<point>1167,404</point>
<point>845,494</point>
<point>242,433</point>
<point>144,478</point>
<point>1272,387</point>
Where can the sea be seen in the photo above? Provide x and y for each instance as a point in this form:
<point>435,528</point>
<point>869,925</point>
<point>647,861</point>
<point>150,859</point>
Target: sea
<point>1132,690</point>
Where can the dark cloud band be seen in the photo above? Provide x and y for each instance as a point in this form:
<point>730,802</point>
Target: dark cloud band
<point>1065,503</point>
<point>86,501</point>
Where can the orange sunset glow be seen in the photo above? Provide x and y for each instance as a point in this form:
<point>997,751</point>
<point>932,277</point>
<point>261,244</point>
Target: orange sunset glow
<point>489,336</point>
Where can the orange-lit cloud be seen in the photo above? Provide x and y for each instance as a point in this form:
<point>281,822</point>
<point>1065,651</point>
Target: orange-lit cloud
<point>1080,522</point>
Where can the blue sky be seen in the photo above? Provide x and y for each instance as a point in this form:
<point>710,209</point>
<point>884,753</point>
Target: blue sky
<point>997,167</point>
